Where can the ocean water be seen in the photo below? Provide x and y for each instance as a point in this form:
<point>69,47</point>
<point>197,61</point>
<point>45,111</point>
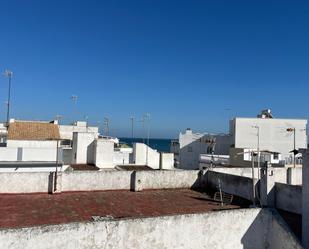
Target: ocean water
<point>162,145</point>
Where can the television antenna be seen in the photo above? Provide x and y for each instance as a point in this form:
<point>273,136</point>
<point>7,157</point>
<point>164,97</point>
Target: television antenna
<point>74,99</point>
<point>106,126</point>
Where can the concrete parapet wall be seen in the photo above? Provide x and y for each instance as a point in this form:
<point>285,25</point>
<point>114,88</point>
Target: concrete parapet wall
<point>167,179</point>
<point>25,182</point>
<point>8,154</point>
<point>101,180</point>
<point>281,174</point>
<point>166,161</point>
<point>232,184</point>
<point>288,197</point>
<point>144,155</point>
<point>231,229</point>
<point>280,235</point>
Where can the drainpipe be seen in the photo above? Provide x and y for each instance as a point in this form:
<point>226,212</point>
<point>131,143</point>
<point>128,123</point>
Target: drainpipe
<point>57,160</point>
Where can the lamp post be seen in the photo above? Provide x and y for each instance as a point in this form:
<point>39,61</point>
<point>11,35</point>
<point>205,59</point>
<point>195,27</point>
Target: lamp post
<point>8,74</point>
<point>258,148</point>
<point>132,127</point>
<point>294,147</point>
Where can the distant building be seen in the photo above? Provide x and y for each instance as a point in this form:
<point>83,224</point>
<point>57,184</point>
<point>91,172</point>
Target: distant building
<point>191,145</point>
<point>31,146</point>
<point>41,145</point>
<point>274,135</point>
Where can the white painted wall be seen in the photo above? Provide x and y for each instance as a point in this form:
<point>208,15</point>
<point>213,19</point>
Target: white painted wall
<point>105,180</point>
<point>66,131</point>
<point>166,161</point>
<point>280,174</point>
<point>103,153</point>
<point>229,229</point>
<point>273,134</point>
<point>99,180</point>
<point>305,199</point>
<point>82,146</point>
<point>140,152</point>
<point>24,182</point>
<point>11,154</point>
<point>120,157</point>
<point>165,179</point>
<point>31,144</point>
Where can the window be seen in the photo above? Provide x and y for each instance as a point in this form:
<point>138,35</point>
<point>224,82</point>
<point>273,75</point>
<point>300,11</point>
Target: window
<point>190,149</point>
<point>276,156</point>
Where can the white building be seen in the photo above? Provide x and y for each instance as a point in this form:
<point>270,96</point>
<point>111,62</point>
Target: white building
<point>274,134</point>
<point>31,146</point>
<point>3,133</point>
<point>191,145</point>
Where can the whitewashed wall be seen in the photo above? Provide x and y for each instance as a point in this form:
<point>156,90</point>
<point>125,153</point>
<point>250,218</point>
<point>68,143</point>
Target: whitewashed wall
<point>140,156</point>
<point>230,229</point>
<point>8,154</point>
<point>273,134</point>
<point>31,144</point>
<point>81,146</point>
<point>167,161</point>
<point>103,153</point>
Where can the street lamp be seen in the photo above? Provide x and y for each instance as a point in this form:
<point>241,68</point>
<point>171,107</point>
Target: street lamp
<point>294,150</point>
<point>258,148</point>
<point>132,127</point>
<point>8,74</point>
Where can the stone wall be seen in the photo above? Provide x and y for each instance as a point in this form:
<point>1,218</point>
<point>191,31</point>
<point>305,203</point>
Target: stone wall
<point>230,229</point>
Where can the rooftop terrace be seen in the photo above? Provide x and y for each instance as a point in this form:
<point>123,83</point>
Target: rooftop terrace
<point>23,210</point>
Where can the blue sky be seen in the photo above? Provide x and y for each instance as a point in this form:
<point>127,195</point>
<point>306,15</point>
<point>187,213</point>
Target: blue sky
<point>184,62</point>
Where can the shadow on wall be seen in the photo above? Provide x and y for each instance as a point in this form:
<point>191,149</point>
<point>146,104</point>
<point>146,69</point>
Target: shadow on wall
<point>269,230</point>
<point>256,234</point>
<point>200,183</point>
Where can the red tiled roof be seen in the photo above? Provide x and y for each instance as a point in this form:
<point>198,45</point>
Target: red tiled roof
<point>22,210</point>
<point>22,130</point>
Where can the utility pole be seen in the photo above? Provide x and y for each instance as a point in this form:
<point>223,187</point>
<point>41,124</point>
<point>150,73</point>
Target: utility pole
<point>8,74</point>
<point>132,127</point>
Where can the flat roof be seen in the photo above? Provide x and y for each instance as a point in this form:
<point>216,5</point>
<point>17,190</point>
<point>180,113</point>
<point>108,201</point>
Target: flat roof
<point>281,119</point>
<point>26,210</point>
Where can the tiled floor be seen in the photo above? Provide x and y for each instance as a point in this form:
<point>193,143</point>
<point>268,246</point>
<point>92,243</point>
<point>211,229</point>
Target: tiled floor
<point>23,210</point>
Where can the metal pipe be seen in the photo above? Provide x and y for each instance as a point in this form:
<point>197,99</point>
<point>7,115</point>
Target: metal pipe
<point>253,180</point>
<point>57,159</point>
<point>8,74</point>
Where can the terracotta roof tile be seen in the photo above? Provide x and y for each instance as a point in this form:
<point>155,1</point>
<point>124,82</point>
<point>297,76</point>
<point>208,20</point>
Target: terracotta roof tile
<point>33,131</point>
